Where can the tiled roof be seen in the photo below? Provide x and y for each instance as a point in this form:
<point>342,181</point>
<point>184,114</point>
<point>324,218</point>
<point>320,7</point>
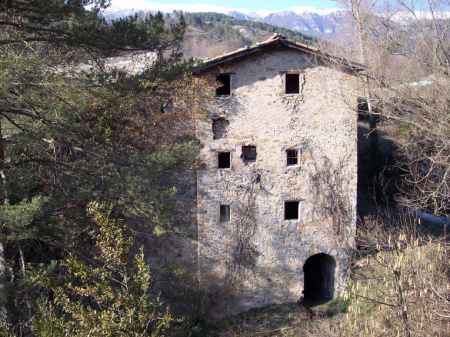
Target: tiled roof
<point>275,41</point>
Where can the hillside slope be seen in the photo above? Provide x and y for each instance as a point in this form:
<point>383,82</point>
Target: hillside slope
<point>211,34</point>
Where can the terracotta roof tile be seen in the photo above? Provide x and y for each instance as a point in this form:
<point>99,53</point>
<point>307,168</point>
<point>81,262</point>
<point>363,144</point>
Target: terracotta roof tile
<point>274,41</point>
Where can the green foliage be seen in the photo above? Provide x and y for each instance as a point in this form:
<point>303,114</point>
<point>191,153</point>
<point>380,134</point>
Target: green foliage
<point>69,23</point>
<point>79,141</point>
<point>75,129</point>
<point>107,296</point>
<point>16,219</point>
<point>76,135</point>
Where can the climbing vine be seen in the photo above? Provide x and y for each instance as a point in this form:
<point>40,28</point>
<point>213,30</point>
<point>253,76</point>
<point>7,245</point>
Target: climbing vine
<point>329,184</point>
<point>244,226</point>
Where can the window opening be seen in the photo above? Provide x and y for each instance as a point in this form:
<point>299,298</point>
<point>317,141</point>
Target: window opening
<point>249,153</point>
<point>292,83</point>
<point>291,157</point>
<point>224,160</point>
<point>224,88</point>
<point>291,210</point>
<point>225,213</point>
<point>219,128</point>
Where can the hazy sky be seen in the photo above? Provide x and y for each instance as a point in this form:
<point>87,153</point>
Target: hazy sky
<point>221,5</point>
<point>265,6</point>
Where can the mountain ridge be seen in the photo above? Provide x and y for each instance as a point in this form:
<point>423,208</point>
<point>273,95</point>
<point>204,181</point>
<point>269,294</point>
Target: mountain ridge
<point>317,23</point>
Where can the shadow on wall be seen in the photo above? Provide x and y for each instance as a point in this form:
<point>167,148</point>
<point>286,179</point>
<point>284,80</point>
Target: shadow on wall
<point>319,270</point>
<point>331,199</point>
<point>378,177</point>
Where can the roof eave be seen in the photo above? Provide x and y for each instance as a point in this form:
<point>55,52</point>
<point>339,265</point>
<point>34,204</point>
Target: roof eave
<point>273,44</point>
<point>234,56</point>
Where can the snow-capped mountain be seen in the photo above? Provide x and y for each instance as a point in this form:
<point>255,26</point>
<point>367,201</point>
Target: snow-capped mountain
<point>308,20</point>
<point>318,23</point>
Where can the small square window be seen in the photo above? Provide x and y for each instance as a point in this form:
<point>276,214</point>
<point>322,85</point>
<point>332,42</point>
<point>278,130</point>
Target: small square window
<point>249,153</point>
<point>225,213</point>
<point>291,210</point>
<point>291,157</point>
<point>224,160</point>
<point>219,127</point>
<point>224,81</point>
<point>292,83</point>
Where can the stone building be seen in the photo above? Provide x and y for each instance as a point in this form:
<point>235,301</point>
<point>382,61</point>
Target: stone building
<point>276,190</point>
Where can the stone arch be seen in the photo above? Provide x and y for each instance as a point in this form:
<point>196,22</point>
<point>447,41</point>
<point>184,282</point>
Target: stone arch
<point>319,278</point>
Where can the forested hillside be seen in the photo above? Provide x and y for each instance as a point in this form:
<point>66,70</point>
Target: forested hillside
<point>211,34</point>
<point>325,24</point>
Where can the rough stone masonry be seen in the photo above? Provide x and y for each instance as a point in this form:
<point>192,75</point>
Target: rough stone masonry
<point>276,191</point>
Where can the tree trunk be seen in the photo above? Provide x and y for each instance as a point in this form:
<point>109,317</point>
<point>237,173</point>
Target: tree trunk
<point>3,201</point>
<point>373,133</point>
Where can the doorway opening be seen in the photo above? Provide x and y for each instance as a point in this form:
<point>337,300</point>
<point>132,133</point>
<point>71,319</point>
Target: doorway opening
<point>319,270</point>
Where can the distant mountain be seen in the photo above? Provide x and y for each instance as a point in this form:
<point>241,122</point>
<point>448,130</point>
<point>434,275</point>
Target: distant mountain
<point>327,24</point>
<point>241,16</point>
<point>320,23</point>
<point>323,25</point>
<point>211,34</point>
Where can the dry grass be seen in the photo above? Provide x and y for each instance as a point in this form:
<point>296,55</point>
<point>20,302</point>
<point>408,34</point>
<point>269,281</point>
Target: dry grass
<point>283,320</point>
<point>400,290</point>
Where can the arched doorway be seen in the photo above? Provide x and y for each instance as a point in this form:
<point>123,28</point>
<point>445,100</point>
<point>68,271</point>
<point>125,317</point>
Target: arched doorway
<point>319,272</point>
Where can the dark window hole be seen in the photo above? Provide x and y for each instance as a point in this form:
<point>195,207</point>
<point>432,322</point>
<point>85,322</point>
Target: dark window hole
<point>291,210</point>
<point>225,213</point>
<point>248,153</point>
<point>291,157</point>
<point>292,83</point>
<point>224,160</point>
<point>224,81</point>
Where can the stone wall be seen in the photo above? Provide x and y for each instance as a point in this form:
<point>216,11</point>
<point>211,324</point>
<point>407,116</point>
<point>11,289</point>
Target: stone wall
<point>257,258</point>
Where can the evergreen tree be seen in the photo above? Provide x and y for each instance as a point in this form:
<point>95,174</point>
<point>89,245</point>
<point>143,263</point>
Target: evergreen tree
<point>75,129</point>
<point>109,296</point>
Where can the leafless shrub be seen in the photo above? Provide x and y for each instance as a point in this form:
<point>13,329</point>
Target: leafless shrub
<point>330,184</point>
<point>407,83</point>
<point>400,289</point>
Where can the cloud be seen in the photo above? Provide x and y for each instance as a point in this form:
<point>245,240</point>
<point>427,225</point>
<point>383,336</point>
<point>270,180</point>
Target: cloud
<point>118,5</point>
<point>312,9</point>
<point>130,6</point>
<point>405,16</point>
<point>121,5</point>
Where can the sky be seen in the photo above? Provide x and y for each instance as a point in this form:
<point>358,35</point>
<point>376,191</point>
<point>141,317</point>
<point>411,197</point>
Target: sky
<point>260,7</point>
<point>255,5</point>
<point>225,6</point>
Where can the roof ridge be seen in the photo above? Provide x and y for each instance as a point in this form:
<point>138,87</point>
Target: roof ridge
<point>275,40</point>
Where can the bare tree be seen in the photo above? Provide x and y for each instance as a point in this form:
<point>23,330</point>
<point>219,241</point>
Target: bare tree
<point>407,84</point>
